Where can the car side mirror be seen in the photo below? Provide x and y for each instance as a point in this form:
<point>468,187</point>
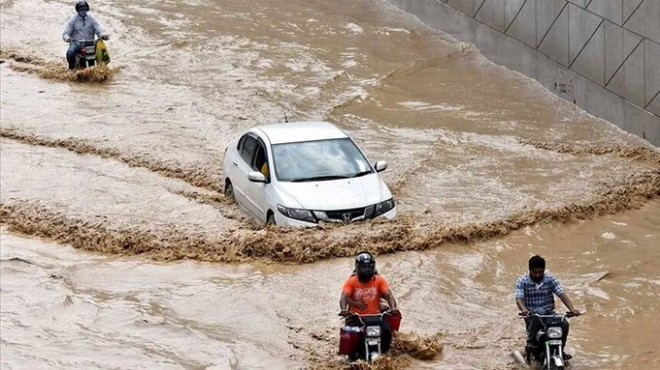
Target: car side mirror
<point>256,176</point>
<point>380,166</point>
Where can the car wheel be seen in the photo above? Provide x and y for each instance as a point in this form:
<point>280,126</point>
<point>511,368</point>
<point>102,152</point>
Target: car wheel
<point>229,192</point>
<point>271,219</point>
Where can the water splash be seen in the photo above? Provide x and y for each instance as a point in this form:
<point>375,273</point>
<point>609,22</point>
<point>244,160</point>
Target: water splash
<point>286,245</point>
<point>56,71</point>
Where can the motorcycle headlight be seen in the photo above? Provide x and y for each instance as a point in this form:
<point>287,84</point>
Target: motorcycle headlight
<point>297,214</point>
<point>373,331</point>
<point>384,207</point>
<point>554,333</point>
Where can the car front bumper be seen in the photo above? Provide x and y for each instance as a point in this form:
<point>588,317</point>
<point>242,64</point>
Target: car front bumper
<point>281,220</point>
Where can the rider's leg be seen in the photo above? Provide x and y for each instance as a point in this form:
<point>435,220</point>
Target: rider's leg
<point>71,53</point>
<point>385,337</point>
<point>534,324</point>
<point>564,338</point>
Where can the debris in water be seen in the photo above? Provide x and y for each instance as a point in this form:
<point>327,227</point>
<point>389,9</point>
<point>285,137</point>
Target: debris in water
<point>608,235</point>
<point>601,277</point>
<point>519,358</point>
<point>16,259</point>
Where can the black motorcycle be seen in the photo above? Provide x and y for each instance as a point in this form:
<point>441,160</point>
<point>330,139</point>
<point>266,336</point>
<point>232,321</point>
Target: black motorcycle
<point>547,347</point>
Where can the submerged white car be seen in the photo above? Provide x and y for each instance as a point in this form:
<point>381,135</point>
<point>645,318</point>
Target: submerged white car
<point>303,173</point>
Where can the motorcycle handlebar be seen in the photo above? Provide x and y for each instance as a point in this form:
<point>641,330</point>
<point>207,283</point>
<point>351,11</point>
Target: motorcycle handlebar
<point>80,42</point>
<point>382,314</point>
<point>567,314</point>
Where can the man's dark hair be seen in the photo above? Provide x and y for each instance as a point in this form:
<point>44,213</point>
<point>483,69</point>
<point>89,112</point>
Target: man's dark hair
<point>536,262</point>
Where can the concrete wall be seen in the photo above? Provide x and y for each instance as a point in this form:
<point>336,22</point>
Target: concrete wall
<point>603,55</point>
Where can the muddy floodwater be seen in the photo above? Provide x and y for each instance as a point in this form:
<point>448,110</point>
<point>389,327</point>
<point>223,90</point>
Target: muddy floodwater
<point>119,250</point>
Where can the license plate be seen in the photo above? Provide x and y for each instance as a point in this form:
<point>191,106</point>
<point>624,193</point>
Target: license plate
<point>554,342</point>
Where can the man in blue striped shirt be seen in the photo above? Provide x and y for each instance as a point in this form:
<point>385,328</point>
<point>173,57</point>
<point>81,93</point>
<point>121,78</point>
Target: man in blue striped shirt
<point>534,295</point>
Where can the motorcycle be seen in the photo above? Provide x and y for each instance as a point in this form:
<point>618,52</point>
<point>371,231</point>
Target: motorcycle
<point>547,351</point>
<point>361,336</point>
<point>91,53</point>
<point>86,57</point>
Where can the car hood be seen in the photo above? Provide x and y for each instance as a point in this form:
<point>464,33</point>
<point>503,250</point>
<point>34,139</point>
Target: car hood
<point>336,194</point>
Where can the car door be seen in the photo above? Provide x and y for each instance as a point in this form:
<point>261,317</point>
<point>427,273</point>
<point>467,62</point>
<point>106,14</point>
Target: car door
<point>243,166</point>
<point>231,170</point>
<point>256,191</point>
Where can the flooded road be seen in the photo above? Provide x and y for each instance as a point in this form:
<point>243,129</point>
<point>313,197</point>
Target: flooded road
<point>487,167</point>
<point>60,306</point>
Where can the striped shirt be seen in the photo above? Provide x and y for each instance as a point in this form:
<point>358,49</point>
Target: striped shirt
<point>538,297</point>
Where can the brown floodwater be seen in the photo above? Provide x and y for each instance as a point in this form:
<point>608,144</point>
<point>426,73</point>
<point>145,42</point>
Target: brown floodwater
<point>119,250</point>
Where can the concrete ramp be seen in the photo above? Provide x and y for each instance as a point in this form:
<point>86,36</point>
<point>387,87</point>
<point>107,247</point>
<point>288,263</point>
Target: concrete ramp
<point>603,55</point>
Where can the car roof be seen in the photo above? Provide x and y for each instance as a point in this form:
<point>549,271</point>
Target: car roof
<point>295,132</point>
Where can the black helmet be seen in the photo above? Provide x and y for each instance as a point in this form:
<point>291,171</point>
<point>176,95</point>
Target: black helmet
<point>365,266</point>
<point>81,5</point>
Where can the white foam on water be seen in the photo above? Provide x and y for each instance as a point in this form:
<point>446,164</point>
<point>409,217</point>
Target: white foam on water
<point>608,235</point>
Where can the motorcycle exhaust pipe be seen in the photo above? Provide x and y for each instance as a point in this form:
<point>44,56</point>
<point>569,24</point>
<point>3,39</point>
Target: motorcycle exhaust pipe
<point>520,358</point>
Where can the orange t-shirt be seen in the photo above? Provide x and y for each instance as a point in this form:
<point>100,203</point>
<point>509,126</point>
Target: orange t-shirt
<point>369,293</point>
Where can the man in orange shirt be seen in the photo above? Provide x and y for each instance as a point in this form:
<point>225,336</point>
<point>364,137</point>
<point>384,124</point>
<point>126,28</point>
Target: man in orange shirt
<point>363,291</point>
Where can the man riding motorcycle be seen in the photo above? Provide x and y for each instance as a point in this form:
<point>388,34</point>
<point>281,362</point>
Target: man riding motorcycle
<point>79,29</point>
<point>534,295</point>
<point>362,294</point>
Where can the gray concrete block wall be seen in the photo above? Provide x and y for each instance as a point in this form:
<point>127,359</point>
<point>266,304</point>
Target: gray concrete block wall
<point>606,51</point>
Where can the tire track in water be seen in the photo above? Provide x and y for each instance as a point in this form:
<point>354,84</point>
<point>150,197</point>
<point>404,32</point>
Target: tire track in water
<point>223,205</point>
<point>201,176</point>
<point>284,245</point>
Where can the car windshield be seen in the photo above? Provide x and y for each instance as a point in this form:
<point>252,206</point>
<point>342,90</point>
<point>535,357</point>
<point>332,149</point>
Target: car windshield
<point>319,160</point>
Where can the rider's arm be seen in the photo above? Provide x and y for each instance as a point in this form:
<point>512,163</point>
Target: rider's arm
<point>390,300</point>
<point>68,31</point>
<point>349,302</point>
<point>347,291</point>
<point>520,296</point>
<point>567,301</point>
<point>343,302</point>
<point>521,305</point>
<point>385,290</point>
<point>559,291</point>
<point>98,29</point>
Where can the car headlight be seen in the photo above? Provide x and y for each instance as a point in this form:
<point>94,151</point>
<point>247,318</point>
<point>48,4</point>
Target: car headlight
<point>297,214</point>
<point>384,207</point>
<point>554,332</point>
<point>321,216</point>
<point>373,331</point>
